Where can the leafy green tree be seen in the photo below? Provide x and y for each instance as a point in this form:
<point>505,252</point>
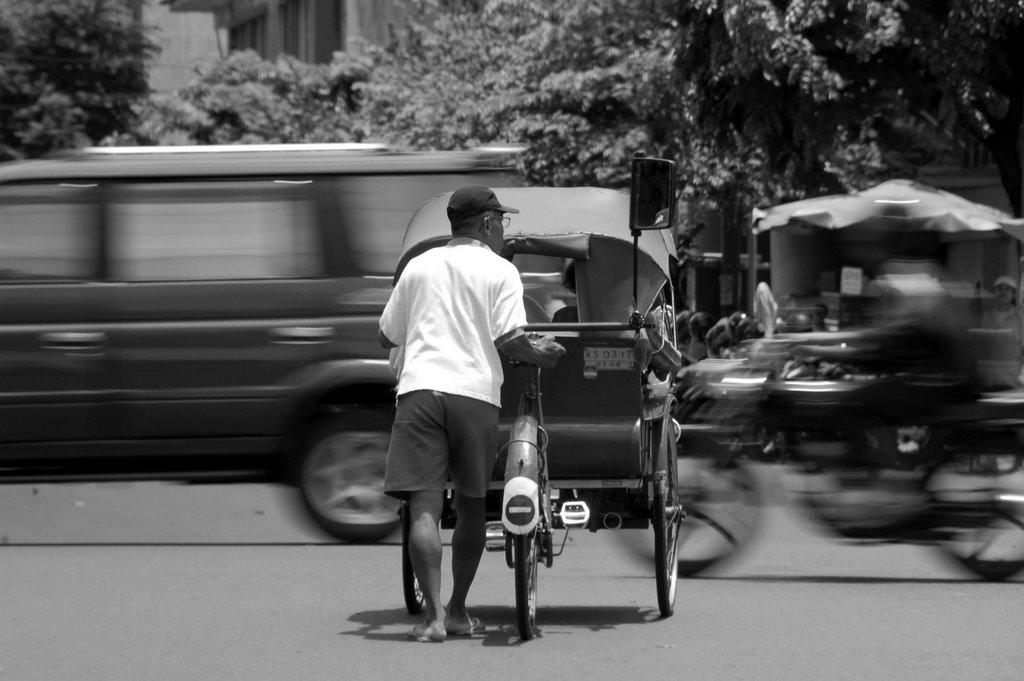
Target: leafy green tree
<point>430,89</point>
<point>974,54</point>
<point>245,99</point>
<point>829,94</point>
<point>595,87</point>
<point>758,100</point>
<point>584,85</point>
<point>70,71</point>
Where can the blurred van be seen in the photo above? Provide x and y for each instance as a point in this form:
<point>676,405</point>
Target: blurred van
<point>209,314</point>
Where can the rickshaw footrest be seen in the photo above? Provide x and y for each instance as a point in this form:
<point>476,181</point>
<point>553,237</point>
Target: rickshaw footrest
<point>574,513</point>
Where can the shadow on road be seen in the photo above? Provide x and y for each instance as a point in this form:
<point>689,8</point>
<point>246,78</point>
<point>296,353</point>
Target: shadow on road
<point>392,624</point>
<point>830,579</point>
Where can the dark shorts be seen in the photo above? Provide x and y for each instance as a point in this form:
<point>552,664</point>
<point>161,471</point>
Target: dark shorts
<point>437,436</point>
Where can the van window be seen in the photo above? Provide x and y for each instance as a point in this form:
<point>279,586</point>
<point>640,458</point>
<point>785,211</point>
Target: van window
<point>377,209</point>
<point>213,230</point>
<point>544,289</point>
<point>47,233</point>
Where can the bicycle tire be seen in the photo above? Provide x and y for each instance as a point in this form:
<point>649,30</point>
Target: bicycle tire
<point>526,553</point>
<point>666,519</point>
<point>411,592</point>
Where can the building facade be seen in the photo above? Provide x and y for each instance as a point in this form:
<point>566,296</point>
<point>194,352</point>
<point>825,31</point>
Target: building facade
<point>186,40</point>
<point>311,30</point>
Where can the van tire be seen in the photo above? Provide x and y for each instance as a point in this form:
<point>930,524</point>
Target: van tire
<point>340,476</point>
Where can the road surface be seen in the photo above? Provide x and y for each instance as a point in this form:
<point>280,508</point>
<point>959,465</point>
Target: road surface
<point>157,582</point>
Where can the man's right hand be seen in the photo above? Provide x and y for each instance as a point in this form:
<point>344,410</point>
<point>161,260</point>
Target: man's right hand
<point>544,351</point>
<point>549,351</point>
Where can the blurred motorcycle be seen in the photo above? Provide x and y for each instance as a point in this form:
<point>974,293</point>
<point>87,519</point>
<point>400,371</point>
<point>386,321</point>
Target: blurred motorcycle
<point>880,432</point>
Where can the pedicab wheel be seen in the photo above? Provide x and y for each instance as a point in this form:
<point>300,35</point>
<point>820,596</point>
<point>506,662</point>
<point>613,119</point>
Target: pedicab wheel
<point>526,552</point>
<point>666,516</point>
<point>414,599</point>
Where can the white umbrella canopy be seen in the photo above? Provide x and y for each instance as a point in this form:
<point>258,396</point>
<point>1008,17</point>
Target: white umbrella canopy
<point>897,205</point>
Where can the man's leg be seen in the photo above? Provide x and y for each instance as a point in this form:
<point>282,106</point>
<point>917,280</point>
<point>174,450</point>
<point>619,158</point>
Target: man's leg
<point>425,510</point>
<point>468,541</point>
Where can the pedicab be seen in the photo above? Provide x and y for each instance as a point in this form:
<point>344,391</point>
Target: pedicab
<point>600,453</point>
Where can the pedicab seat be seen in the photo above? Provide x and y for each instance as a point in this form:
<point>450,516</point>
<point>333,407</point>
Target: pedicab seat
<point>591,414</point>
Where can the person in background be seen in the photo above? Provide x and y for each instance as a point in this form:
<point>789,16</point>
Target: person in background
<point>1003,368</point>
<point>452,310</point>
<point>700,324</point>
<point>723,335</point>
<point>683,332</point>
<point>818,320</point>
<point>569,313</point>
<point>748,329</point>
<point>798,322</point>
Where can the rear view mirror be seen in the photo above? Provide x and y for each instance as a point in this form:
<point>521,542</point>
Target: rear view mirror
<point>652,196</point>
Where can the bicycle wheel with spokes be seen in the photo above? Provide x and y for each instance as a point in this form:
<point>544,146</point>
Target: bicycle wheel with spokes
<point>666,516</point>
<point>526,549</point>
<point>414,599</point>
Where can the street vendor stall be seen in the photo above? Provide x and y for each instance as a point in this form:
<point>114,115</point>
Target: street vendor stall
<point>827,250</point>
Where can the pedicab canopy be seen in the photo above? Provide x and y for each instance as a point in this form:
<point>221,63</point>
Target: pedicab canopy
<point>588,225</point>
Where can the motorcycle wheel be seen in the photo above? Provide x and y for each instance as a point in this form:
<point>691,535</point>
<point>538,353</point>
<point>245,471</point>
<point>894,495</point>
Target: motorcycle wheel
<point>992,570</point>
<point>723,506</point>
<point>986,507</point>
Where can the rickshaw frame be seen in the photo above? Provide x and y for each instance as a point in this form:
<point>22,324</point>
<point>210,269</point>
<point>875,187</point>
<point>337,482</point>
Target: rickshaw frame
<point>589,226</point>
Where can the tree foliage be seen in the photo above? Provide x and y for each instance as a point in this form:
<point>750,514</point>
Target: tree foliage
<point>70,71</point>
<point>974,54</point>
<point>758,100</point>
<point>583,85</point>
<point>245,99</point>
<point>833,94</point>
<point>601,93</point>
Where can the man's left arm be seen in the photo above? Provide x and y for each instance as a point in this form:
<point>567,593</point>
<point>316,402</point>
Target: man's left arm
<point>391,321</point>
<point>385,342</point>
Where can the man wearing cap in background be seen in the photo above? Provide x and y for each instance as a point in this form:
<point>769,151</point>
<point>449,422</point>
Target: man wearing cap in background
<point>453,308</point>
<point>1003,370</point>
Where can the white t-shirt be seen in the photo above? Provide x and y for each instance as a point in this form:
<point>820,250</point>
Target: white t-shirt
<point>449,306</point>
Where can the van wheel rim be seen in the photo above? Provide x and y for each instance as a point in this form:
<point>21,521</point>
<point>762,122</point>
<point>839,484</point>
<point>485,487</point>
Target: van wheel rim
<point>344,479</point>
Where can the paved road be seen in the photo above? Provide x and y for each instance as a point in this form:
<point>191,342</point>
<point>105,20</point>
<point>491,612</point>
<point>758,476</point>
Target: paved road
<point>170,582</point>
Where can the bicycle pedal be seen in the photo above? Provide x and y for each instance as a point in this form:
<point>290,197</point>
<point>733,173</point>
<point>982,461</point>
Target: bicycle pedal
<point>495,536</point>
<point>574,513</point>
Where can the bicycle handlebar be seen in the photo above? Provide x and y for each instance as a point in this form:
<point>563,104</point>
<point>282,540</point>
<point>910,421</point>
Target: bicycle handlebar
<point>581,326</point>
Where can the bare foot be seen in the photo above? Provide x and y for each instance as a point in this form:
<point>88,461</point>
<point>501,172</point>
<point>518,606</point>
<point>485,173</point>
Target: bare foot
<point>463,626</point>
<point>428,632</point>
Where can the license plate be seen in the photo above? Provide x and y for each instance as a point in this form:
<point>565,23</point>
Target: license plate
<point>614,359</point>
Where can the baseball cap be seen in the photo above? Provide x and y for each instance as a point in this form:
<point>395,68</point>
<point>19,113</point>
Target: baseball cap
<point>474,200</point>
<point>1005,281</point>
